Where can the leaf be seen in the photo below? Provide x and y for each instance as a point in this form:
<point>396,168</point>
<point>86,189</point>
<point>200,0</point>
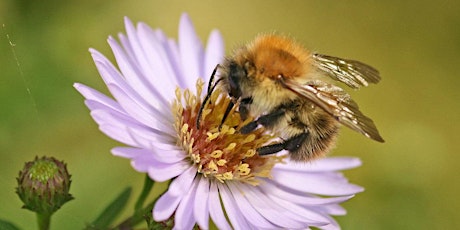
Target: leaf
<point>109,214</point>
<point>6,225</point>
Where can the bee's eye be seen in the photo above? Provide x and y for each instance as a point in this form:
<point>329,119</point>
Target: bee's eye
<point>235,75</point>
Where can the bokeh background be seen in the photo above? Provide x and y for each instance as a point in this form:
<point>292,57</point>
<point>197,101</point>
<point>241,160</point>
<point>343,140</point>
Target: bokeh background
<point>411,181</point>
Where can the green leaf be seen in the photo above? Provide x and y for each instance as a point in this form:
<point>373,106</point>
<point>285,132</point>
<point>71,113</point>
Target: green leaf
<point>111,211</point>
<point>6,225</point>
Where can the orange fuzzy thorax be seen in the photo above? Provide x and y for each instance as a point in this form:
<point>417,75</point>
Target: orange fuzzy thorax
<point>275,55</point>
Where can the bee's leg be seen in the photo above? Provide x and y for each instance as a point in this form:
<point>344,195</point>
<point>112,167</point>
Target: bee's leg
<point>265,120</point>
<point>295,142</point>
<point>290,145</point>
<point>270,149</point>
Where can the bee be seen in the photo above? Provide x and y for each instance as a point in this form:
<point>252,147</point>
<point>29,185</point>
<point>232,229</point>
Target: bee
<point>285,88</point>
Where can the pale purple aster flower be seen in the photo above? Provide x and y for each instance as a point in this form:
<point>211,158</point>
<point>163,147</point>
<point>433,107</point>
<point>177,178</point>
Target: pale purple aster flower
<point>215,172</point>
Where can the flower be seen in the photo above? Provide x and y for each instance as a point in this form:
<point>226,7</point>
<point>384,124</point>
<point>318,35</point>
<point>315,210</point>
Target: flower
<point>215,172</point>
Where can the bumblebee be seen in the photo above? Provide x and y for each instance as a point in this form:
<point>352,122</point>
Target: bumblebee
<point>285,88</point>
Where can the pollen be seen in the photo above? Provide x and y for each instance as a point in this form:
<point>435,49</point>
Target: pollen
<point>219,151</point>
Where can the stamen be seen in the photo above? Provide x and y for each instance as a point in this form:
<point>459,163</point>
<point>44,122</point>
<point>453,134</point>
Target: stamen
<point>221,162</point>
<point>212,166</point>
<point>217,153</point>
<point>184,129</point>
<point>211,136</point>
<point>249,138</point>
<point>221,154</point>
<point>228,175</point>
<point>244,169</point>
<point>230,147</point>
<point>250,153</point>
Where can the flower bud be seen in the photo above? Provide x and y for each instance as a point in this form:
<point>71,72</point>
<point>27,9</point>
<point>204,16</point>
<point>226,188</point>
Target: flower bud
<point>43,185</point>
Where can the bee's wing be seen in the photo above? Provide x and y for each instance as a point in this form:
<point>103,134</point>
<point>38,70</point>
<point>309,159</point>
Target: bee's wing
<point>353,73</point>
<point>337,103</point>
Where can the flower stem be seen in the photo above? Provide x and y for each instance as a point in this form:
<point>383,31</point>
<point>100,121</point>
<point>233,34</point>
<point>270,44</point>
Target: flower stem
<point>43,221</point>
<point>137,217</point>
<point>139,211</point>
<point>148,184</point>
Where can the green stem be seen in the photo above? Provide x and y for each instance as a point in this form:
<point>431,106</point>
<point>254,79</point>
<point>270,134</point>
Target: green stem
<point>139,212</point>
<point>43,221</point>
<point>148,184</point>
<point>137,217</point>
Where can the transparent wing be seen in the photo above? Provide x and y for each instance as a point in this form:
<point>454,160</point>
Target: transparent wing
<point>337,103</point>
<point>353,73</point>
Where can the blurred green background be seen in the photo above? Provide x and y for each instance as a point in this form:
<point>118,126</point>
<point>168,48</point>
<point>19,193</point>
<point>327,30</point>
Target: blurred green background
<point>411,181</point>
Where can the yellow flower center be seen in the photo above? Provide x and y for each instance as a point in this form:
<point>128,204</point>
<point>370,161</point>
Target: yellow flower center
<point>223,154</point>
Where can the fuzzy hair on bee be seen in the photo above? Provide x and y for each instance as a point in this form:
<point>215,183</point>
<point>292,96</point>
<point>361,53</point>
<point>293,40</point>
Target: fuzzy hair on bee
<point>284,87</point>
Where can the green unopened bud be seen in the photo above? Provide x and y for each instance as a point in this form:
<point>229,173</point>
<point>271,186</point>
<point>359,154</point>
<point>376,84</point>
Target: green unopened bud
<point>43,185</point>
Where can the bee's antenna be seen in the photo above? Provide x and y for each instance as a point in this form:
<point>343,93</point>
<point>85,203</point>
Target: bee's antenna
<point>208,95</point>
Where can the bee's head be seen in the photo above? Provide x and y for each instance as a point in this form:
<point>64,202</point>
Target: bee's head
<point>231,76</point>
<point>235,74</point>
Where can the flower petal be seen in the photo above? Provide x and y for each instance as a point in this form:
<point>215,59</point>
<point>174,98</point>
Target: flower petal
<point>324,184</point>
<point>119,134</point>
<point>165,206</point>
<point>134,76</point>
<point>271,210</point>
<point>94,95</point>
<point>168,156</point>
<point>322,165</point>
<point>245,207</point>
<point>182,184</point>
<point>162,172</point>
<point>191,53</point>
<point>185,212</point>
<point>332,209</point>
<point>129,129</point>
<point>299,213</point>
<point>214,53</point>
<point>153,156</point>
<point>200,207</point>
<point>272,189</point>
<point>159,59</point>
<point>126,96</point>
<point>333,225</point>
<point>141,159</point>
<point>143,62</point>
<point>215,208</point>
<point>233,213</point>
